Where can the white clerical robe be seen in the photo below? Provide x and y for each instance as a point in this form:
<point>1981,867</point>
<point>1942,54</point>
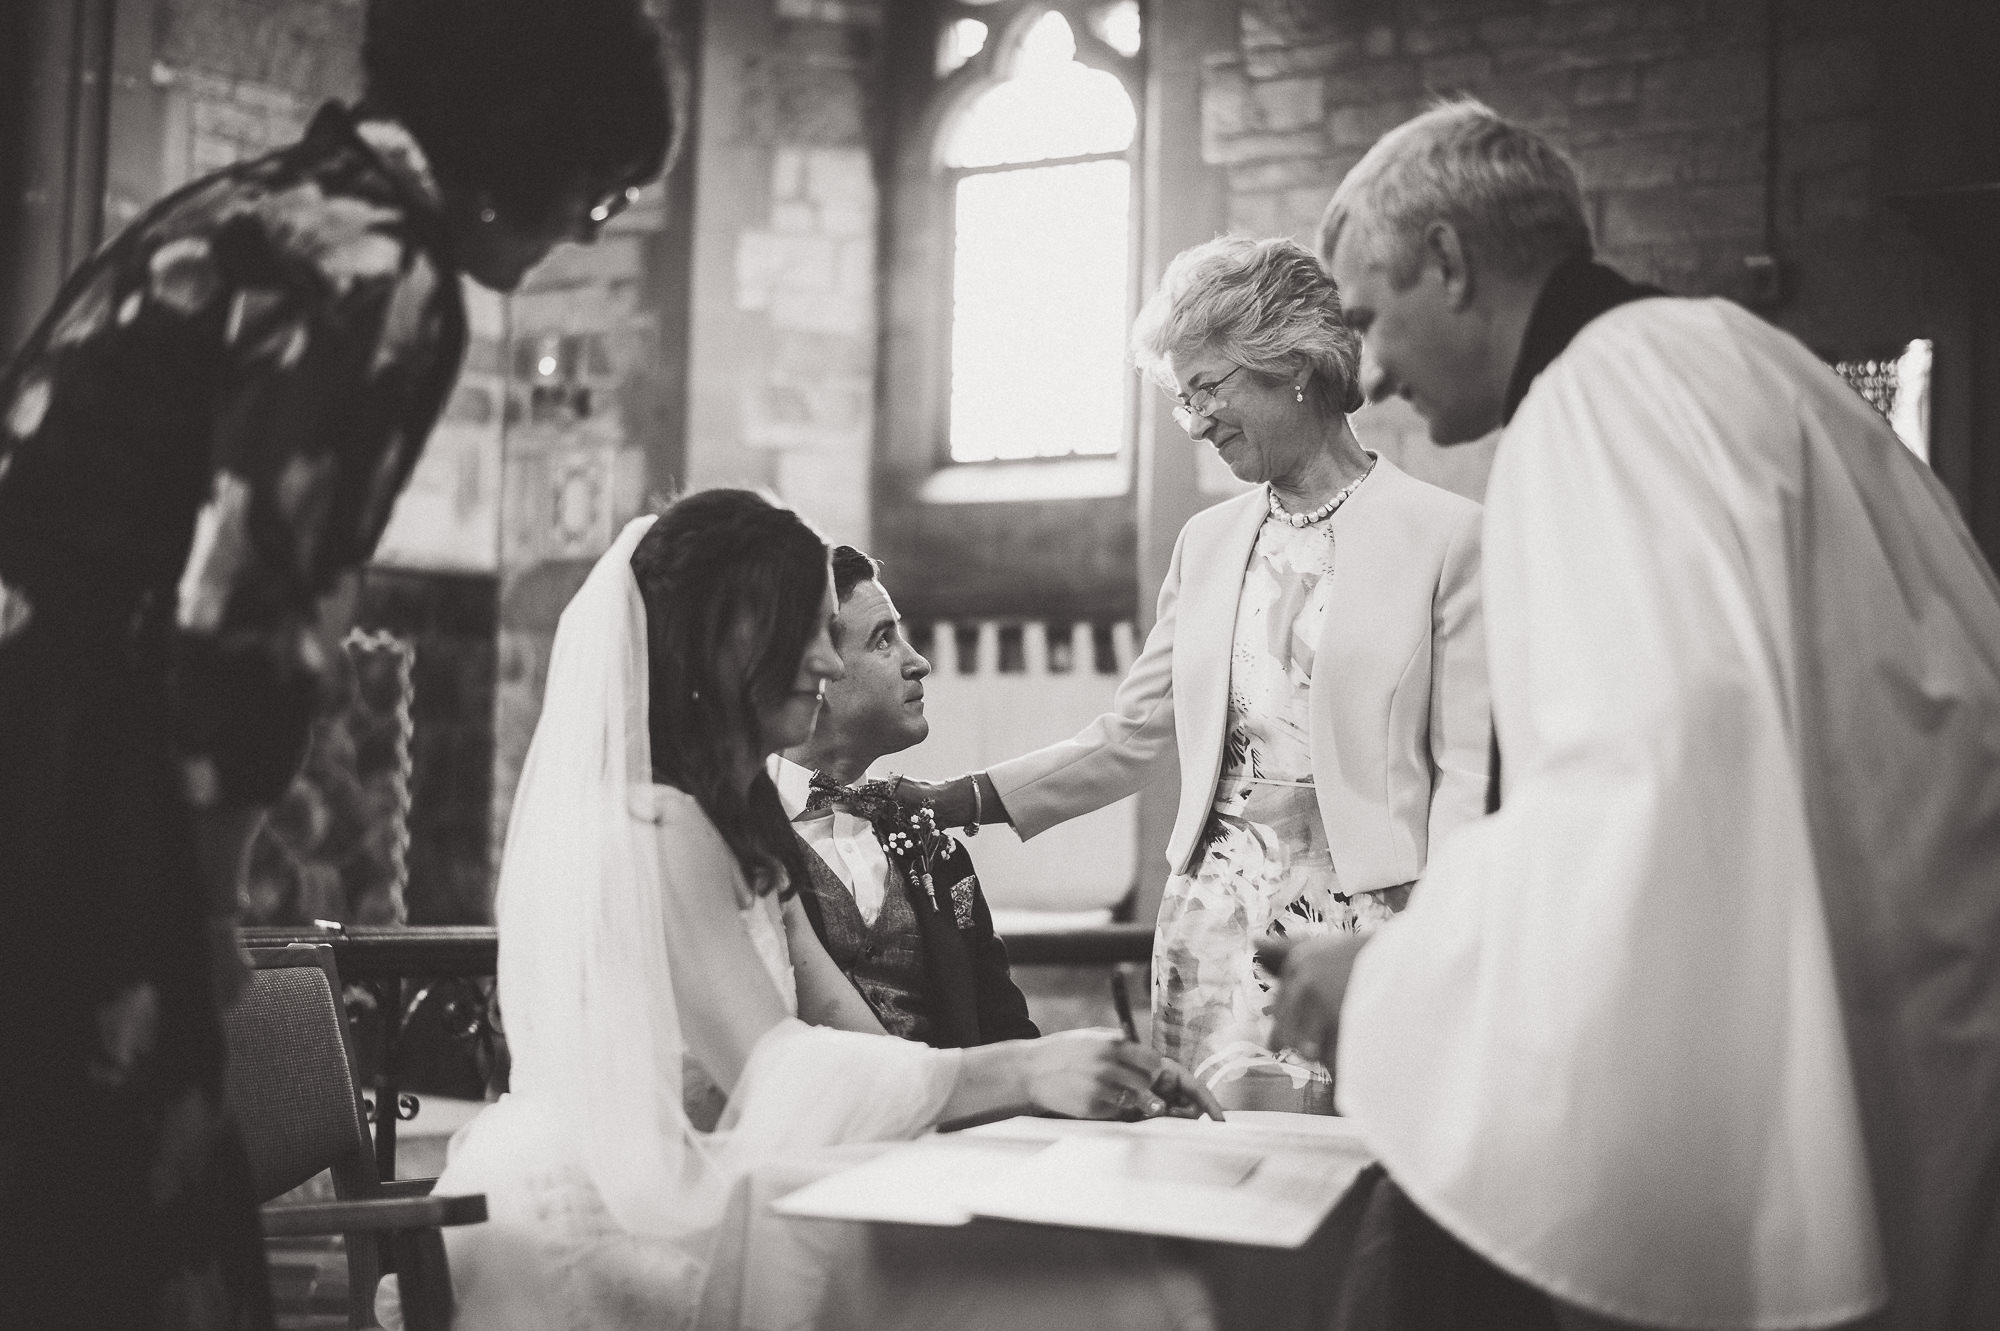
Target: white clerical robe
<point>1702,1028</point>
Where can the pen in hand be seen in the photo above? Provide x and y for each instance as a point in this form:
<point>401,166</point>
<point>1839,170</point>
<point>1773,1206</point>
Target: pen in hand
<point>1121,999</point>
<point>1177,1096</point>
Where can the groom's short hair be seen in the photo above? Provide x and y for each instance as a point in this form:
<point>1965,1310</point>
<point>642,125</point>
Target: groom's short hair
<point>851,568</point>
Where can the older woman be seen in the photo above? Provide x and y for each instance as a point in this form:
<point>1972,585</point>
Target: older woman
<point>1316,671</point>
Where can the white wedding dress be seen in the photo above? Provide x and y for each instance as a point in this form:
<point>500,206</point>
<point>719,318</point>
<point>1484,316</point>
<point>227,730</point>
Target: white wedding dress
<point>651,1015</point>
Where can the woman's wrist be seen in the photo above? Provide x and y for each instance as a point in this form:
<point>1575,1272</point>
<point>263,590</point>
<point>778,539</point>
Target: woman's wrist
<point>954,803</point>
<point>986,800</point>
<point>992,1082</point>
<point>974,818</point>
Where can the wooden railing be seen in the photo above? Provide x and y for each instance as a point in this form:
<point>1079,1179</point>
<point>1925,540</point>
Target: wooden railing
<point>394,973</point>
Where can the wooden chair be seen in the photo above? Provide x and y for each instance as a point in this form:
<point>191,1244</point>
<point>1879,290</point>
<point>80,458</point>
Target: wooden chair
<point>291,1084</point>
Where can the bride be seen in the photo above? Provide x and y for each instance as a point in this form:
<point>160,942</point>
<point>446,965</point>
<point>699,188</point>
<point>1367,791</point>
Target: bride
<point>654,966</point>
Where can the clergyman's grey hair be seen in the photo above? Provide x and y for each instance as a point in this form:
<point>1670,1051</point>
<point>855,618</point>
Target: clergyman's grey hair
<point>1511,195</point>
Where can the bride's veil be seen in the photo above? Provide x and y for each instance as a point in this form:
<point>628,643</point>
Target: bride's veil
<point>585,978</point>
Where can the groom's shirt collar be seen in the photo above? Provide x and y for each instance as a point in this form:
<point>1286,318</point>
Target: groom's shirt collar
<point>794,784</point>
<point>846,844</point>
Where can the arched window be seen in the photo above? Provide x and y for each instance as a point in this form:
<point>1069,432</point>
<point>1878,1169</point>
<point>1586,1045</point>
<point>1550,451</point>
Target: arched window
<point>1041,255</point>
<point>1019,282</point>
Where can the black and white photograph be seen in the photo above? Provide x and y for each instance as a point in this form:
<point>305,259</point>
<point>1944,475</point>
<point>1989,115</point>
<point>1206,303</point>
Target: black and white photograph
<point>999,665</point>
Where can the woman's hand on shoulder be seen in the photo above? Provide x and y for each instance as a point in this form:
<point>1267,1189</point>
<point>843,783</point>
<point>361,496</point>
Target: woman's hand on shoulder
<point>964,801</point>
<point>949,800</point>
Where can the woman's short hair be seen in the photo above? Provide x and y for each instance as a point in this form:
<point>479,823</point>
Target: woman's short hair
<point>1510,194</point>
<point>1264,304</point>
<point>524,100</point>
<point>727,574</point>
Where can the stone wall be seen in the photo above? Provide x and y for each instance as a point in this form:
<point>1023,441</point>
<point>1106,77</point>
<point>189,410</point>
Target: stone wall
<point>242,77</point>
<point>782,391</point>
<point>1665,106</point>
<point>1709,135</point>
<point>309,49</point>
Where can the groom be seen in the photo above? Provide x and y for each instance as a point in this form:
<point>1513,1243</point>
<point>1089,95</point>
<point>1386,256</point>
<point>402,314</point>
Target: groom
<point>897,904</point>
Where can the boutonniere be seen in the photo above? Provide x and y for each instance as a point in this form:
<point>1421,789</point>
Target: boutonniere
<point>912,837</point>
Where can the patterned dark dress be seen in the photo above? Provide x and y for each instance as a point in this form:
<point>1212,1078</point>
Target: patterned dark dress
<point>203,436</point>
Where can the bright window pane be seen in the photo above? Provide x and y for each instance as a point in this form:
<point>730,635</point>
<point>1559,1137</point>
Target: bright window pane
<point>964,39</point>
<point>1038,320</point>
<point>1118,25</point>
<point>1051,107</point>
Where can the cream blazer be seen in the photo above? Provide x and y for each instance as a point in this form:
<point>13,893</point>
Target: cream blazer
<point>1400,726</point>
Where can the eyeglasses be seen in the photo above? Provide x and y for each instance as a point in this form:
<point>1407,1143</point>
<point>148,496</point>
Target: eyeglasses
<point>1202,403</point>
<point>609,206</point>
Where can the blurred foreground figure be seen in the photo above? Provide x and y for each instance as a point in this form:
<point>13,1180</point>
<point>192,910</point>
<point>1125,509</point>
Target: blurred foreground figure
<point>1702,1026</point>
<point>199,447</point>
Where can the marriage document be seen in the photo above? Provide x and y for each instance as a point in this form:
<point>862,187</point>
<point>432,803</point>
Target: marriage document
<point>1265,1180</point>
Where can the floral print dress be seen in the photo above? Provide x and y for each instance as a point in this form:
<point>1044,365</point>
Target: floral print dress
<point>201,439</point>
<point>1262,864</point>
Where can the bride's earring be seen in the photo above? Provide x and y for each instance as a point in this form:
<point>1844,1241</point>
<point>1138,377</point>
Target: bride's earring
<point>1298,392</point>
<point>487,215</point>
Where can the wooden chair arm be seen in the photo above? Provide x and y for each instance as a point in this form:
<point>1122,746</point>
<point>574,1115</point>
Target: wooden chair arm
<point>403,1187</point>
<point>375,1215</point>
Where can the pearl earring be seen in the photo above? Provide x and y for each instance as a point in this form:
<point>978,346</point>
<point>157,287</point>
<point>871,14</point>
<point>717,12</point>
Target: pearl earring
<point>488,216</point>
<point>1298,392</point>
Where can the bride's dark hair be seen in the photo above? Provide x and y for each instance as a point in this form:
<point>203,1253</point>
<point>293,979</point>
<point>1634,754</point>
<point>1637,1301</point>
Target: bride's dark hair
<point>725,569</point>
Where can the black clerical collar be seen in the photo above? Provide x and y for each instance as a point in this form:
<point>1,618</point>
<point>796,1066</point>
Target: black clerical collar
<point>1577,292</point>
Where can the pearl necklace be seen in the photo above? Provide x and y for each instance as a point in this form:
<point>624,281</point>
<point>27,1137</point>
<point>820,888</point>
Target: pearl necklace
<point>1324,511</point>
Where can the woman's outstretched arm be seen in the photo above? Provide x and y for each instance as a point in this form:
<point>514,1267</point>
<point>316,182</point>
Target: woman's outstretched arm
<point>1120,752</point>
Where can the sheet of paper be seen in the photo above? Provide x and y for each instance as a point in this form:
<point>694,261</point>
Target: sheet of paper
<point>1028,1128</point>
<point>1332,1127</point>
<point>1260,1127</point>
<point>930,1181</point>
<point>1259,1179</point>
<point>1225,1188</point>
<point>1263,1127</point>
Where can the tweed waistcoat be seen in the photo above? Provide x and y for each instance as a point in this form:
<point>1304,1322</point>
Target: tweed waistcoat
<point>885,960</point>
